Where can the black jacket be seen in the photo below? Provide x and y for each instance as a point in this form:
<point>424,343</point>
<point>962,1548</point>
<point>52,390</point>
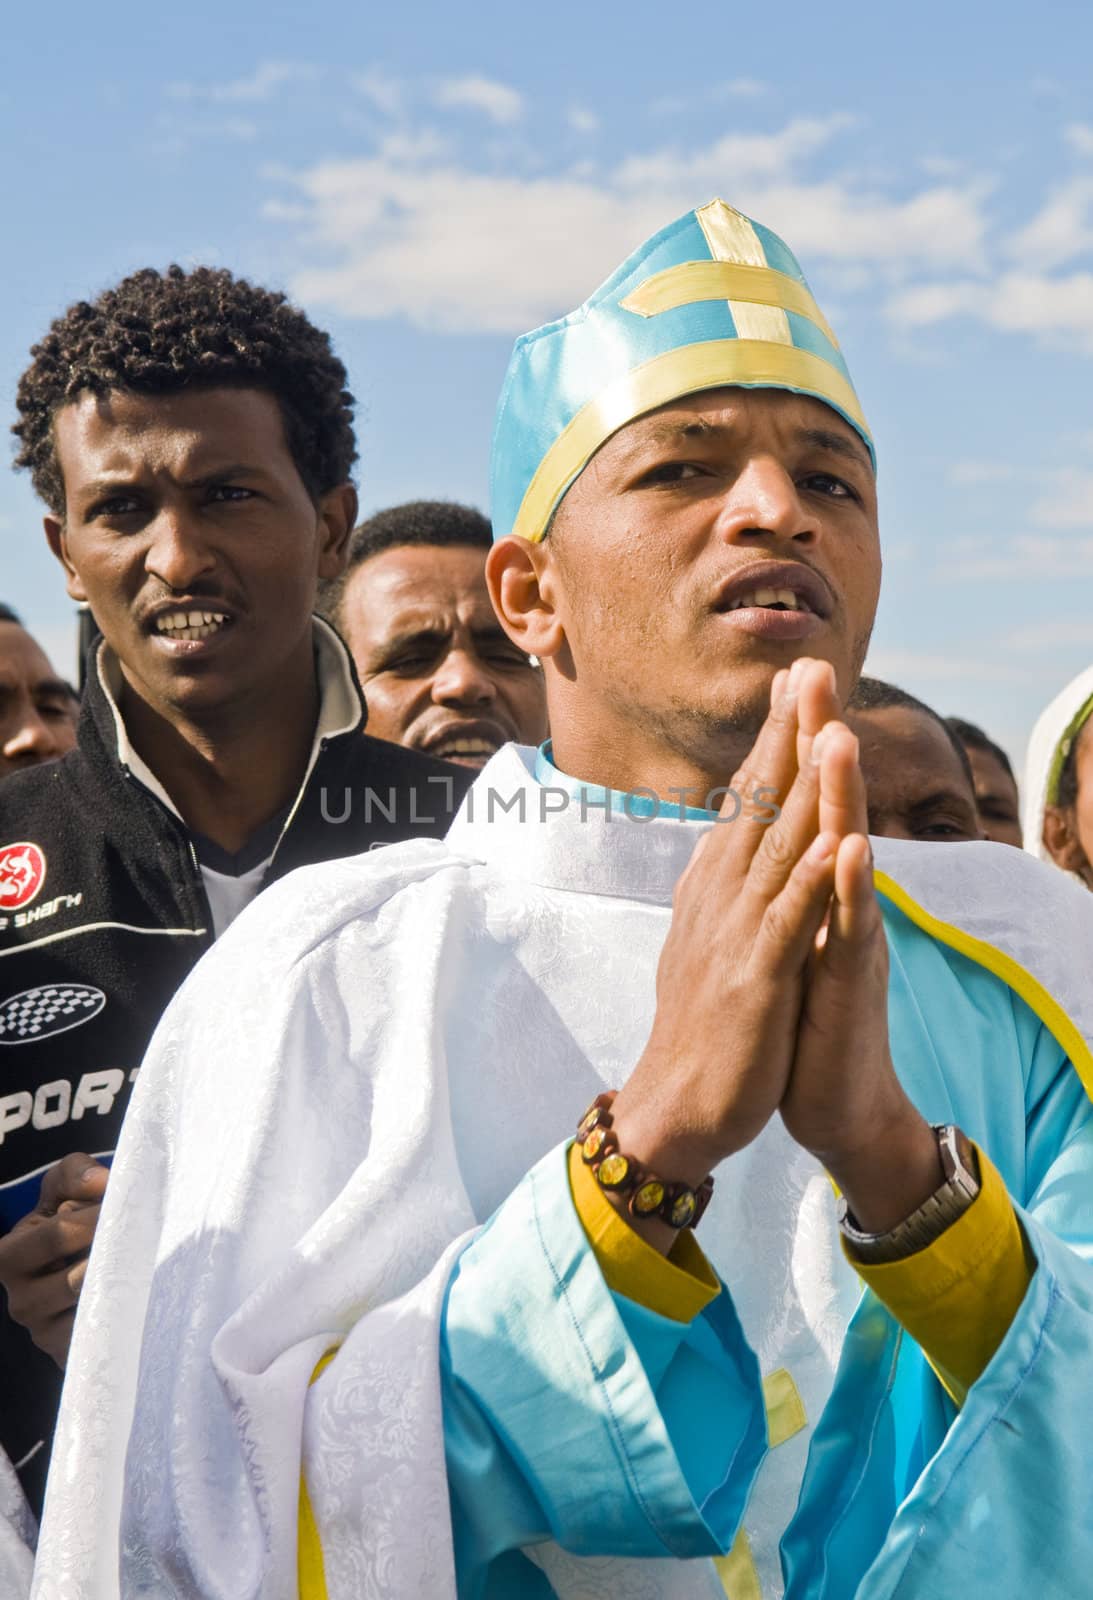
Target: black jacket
<point>103,913</point>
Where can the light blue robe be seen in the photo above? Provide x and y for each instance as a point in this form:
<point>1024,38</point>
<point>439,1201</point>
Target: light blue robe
<point>574,1415</point>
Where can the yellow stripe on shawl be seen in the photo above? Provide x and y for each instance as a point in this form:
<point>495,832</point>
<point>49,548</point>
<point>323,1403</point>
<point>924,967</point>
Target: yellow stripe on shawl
<point>310,1570</point>
<point>1003,966</point>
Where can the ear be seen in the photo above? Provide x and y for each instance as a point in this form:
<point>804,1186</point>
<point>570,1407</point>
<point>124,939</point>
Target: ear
<point>337,518</point>
<point>524,590</point>
<point>57,539</point>
<point>1061,841</point>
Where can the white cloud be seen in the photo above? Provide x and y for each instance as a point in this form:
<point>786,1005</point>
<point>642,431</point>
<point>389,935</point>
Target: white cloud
<point>746,88</point>
<point>1068,503</point>
<point>497,101</point>
<point>262,84</point>
<point>1061,230</point>
<point>973,474</point>
<point>387,94</point>
<point>942,166</point>
<point>1059,310</point>
<point>582,120</point>
<point>1027,557</point>
<point>909,668</point>
<point>463,250</point>
<point>1051,636</point>
<point>1079,136</point>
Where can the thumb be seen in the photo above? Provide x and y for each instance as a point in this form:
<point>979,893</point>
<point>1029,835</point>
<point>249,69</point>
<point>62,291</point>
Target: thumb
<point>77,1177</point>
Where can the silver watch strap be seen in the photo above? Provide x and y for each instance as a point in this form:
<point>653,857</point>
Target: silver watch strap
<point>931,1219</point>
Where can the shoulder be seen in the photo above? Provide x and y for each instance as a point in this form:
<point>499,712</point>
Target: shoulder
<point>315,908</point>
<point>1014,918</point>
<point>984,886</point>
<point>360,755</point>
<point>38,789</point>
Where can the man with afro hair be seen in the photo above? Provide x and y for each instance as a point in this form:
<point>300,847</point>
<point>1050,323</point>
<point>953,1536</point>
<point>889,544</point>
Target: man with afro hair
<point>191,436</point>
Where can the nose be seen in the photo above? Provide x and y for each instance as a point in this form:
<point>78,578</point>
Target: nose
<point>177,553</point>
<point>763,499</point>
<point>29,738</point>
<point>462,680</point>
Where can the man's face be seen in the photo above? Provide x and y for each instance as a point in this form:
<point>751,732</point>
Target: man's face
<point>438,672</point>
<point>37,708</point>
<point>705,546</point>
<point>916,787</point>
<point>995,797</point>
<point>189,531</point>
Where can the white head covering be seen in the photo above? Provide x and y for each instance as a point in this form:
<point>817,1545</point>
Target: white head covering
<point>1052,738</point>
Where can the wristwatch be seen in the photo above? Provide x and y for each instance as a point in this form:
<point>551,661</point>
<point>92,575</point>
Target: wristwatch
<point>940,1211</point>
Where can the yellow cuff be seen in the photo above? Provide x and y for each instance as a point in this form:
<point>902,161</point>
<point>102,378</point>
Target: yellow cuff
<point>958,1297</point>
<point>679,1286</point>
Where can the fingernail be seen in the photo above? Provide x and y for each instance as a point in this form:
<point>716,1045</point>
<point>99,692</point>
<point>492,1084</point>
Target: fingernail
<point>818,745</point>
<point>795,672</point>
<point>822,847</point>
<point>90,1172</point>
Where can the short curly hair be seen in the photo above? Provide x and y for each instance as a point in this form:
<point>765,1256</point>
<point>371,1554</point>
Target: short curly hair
<point>161,332</point>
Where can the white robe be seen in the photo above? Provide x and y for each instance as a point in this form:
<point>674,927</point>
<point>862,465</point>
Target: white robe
<point>355,1078</point>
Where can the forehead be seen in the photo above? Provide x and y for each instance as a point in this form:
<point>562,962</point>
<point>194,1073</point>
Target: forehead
<point>988,771</point>
<point>921,748</point>
<point>714,413</point>
<point>122,431</point>
<point>21,657</point>
<point>423,582</point>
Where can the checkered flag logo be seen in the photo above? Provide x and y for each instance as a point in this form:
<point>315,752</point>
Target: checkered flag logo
<point>51,1008</point>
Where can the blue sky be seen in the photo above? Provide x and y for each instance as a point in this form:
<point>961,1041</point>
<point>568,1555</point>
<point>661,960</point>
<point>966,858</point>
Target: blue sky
<point>430,180</point>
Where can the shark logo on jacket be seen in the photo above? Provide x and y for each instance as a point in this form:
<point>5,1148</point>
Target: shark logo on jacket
<point>22,874</point>
<point>50,1008</point>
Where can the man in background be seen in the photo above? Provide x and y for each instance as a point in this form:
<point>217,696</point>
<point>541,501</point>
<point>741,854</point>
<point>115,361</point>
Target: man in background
<point>37,707</point>
<point>995,785</point>
<point>918,781</point>
<point>438,671</point>
<point>191,437</point>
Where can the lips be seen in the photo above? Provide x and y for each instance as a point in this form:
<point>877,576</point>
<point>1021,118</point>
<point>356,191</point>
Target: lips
<point>185,626</point>
<point>775,586</point>
<point>471,743</point>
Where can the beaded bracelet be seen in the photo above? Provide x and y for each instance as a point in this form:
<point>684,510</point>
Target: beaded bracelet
<point>677,1204</point>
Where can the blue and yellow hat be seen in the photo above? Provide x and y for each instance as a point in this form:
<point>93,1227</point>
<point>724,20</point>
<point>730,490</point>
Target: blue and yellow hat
<point>710,300</point>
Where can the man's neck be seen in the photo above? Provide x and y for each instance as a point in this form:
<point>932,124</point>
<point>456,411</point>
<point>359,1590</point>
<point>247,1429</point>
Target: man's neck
<point>676,776</point>
<point>230,772</point>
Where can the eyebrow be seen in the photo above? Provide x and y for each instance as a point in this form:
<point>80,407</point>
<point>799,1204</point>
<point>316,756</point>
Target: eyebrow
<point>838,443</point>
<point>427,632</point>
<point>942,797</point>
<point>50,686</point>
<point>666,432</point>
<point>111,484</point>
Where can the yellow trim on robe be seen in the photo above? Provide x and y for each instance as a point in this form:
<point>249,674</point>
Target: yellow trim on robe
<point>694,281</point>
<point>710,364</point>
<point>739,1579</point>
<point>310,1569</point>
<point>784,1406</point>
<point>1003,966</point>
<point>678,1287</point>
<point>958,1296</point>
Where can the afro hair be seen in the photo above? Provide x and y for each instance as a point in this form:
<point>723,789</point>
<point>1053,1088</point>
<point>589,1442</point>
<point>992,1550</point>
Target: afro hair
<point>159,333</point>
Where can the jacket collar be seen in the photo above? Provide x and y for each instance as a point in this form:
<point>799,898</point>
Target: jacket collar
<point>341,709</point>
